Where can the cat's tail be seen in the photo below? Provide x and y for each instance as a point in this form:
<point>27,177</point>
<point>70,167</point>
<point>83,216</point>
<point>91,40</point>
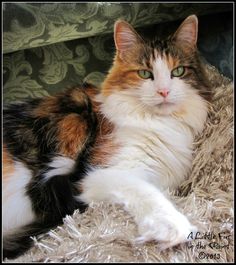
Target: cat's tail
<point>53,201</point>
<point>16,244</point>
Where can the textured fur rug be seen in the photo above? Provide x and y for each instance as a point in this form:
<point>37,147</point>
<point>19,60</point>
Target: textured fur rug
<point>106,233</point>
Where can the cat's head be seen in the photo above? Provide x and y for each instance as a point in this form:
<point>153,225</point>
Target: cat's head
<point>161,75</point>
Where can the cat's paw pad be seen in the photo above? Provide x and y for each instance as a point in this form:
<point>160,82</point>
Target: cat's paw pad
<point>167,230</point>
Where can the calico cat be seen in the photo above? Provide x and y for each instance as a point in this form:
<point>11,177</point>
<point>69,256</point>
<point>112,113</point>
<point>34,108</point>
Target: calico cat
<point>125,143</point>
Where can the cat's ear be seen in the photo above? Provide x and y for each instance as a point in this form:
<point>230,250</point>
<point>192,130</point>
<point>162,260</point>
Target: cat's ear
<point>186,34</point>
<point>125,37</point>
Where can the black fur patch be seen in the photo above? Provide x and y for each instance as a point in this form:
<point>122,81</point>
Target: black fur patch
<point>33,140</point>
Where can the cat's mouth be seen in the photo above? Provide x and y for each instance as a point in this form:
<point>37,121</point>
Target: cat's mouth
<point>166,107</point>
<point>165,104</point>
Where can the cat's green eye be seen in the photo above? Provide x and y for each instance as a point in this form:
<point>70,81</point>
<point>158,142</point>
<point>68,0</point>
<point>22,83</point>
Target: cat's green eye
<point>178,71</point>
<point>145,74</point>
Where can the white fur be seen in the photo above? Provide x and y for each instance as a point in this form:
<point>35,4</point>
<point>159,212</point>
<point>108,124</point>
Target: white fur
<point>16,210</point>
<point>156,217</point>
<point>156,153</point>
<point>59,166</point>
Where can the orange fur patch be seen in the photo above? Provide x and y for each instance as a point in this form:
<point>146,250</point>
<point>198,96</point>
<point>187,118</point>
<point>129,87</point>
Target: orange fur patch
<point>72,135</point>
<point>48,105</point>
<point>92,91</point>
<point>8,164</point>
<point>171,62</point>
<point>105,146</point>
<point>78,95</point>
<point>121,77</point>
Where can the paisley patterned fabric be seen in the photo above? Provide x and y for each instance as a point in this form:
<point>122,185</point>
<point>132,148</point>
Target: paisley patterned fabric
<point>49,47</point>
<point>28,25</point>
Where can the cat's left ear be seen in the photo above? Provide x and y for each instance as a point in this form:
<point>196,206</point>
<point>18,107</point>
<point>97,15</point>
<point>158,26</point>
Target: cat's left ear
<point>186,34</point>
<point>126,38</point>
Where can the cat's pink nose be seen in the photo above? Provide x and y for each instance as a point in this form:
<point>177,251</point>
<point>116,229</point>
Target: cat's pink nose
<point>163,92</point>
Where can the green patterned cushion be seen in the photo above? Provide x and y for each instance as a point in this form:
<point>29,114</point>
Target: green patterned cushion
<point>47,69</point>
<point>28,25</point>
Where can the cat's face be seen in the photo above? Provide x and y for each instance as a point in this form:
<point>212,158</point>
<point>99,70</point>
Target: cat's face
<point>160,75</point>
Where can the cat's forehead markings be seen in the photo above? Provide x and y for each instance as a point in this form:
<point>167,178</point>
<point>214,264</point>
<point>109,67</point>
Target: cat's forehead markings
<point>163,60</point>
<point>160,65</point>
<point>154,54</point>
<point>171,61</point>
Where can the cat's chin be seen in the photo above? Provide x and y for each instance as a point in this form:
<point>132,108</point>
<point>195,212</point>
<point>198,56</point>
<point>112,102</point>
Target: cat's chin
<point>165,108</point>
<point>166,105</point>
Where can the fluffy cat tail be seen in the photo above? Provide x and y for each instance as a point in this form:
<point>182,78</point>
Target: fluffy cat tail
<point>58,194</point>
<point>16,244</point>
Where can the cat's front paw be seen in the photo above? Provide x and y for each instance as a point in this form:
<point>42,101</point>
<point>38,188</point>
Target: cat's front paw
<point>167,229</point>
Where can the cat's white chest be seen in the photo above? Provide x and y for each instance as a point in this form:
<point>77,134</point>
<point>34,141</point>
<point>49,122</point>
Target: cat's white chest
<point>161,148</point>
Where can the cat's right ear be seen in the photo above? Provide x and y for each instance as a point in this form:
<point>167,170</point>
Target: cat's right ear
<point>125,37</point>
<point>186,34</point>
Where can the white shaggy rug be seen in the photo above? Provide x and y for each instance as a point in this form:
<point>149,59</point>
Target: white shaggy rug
<point>106,233</point>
